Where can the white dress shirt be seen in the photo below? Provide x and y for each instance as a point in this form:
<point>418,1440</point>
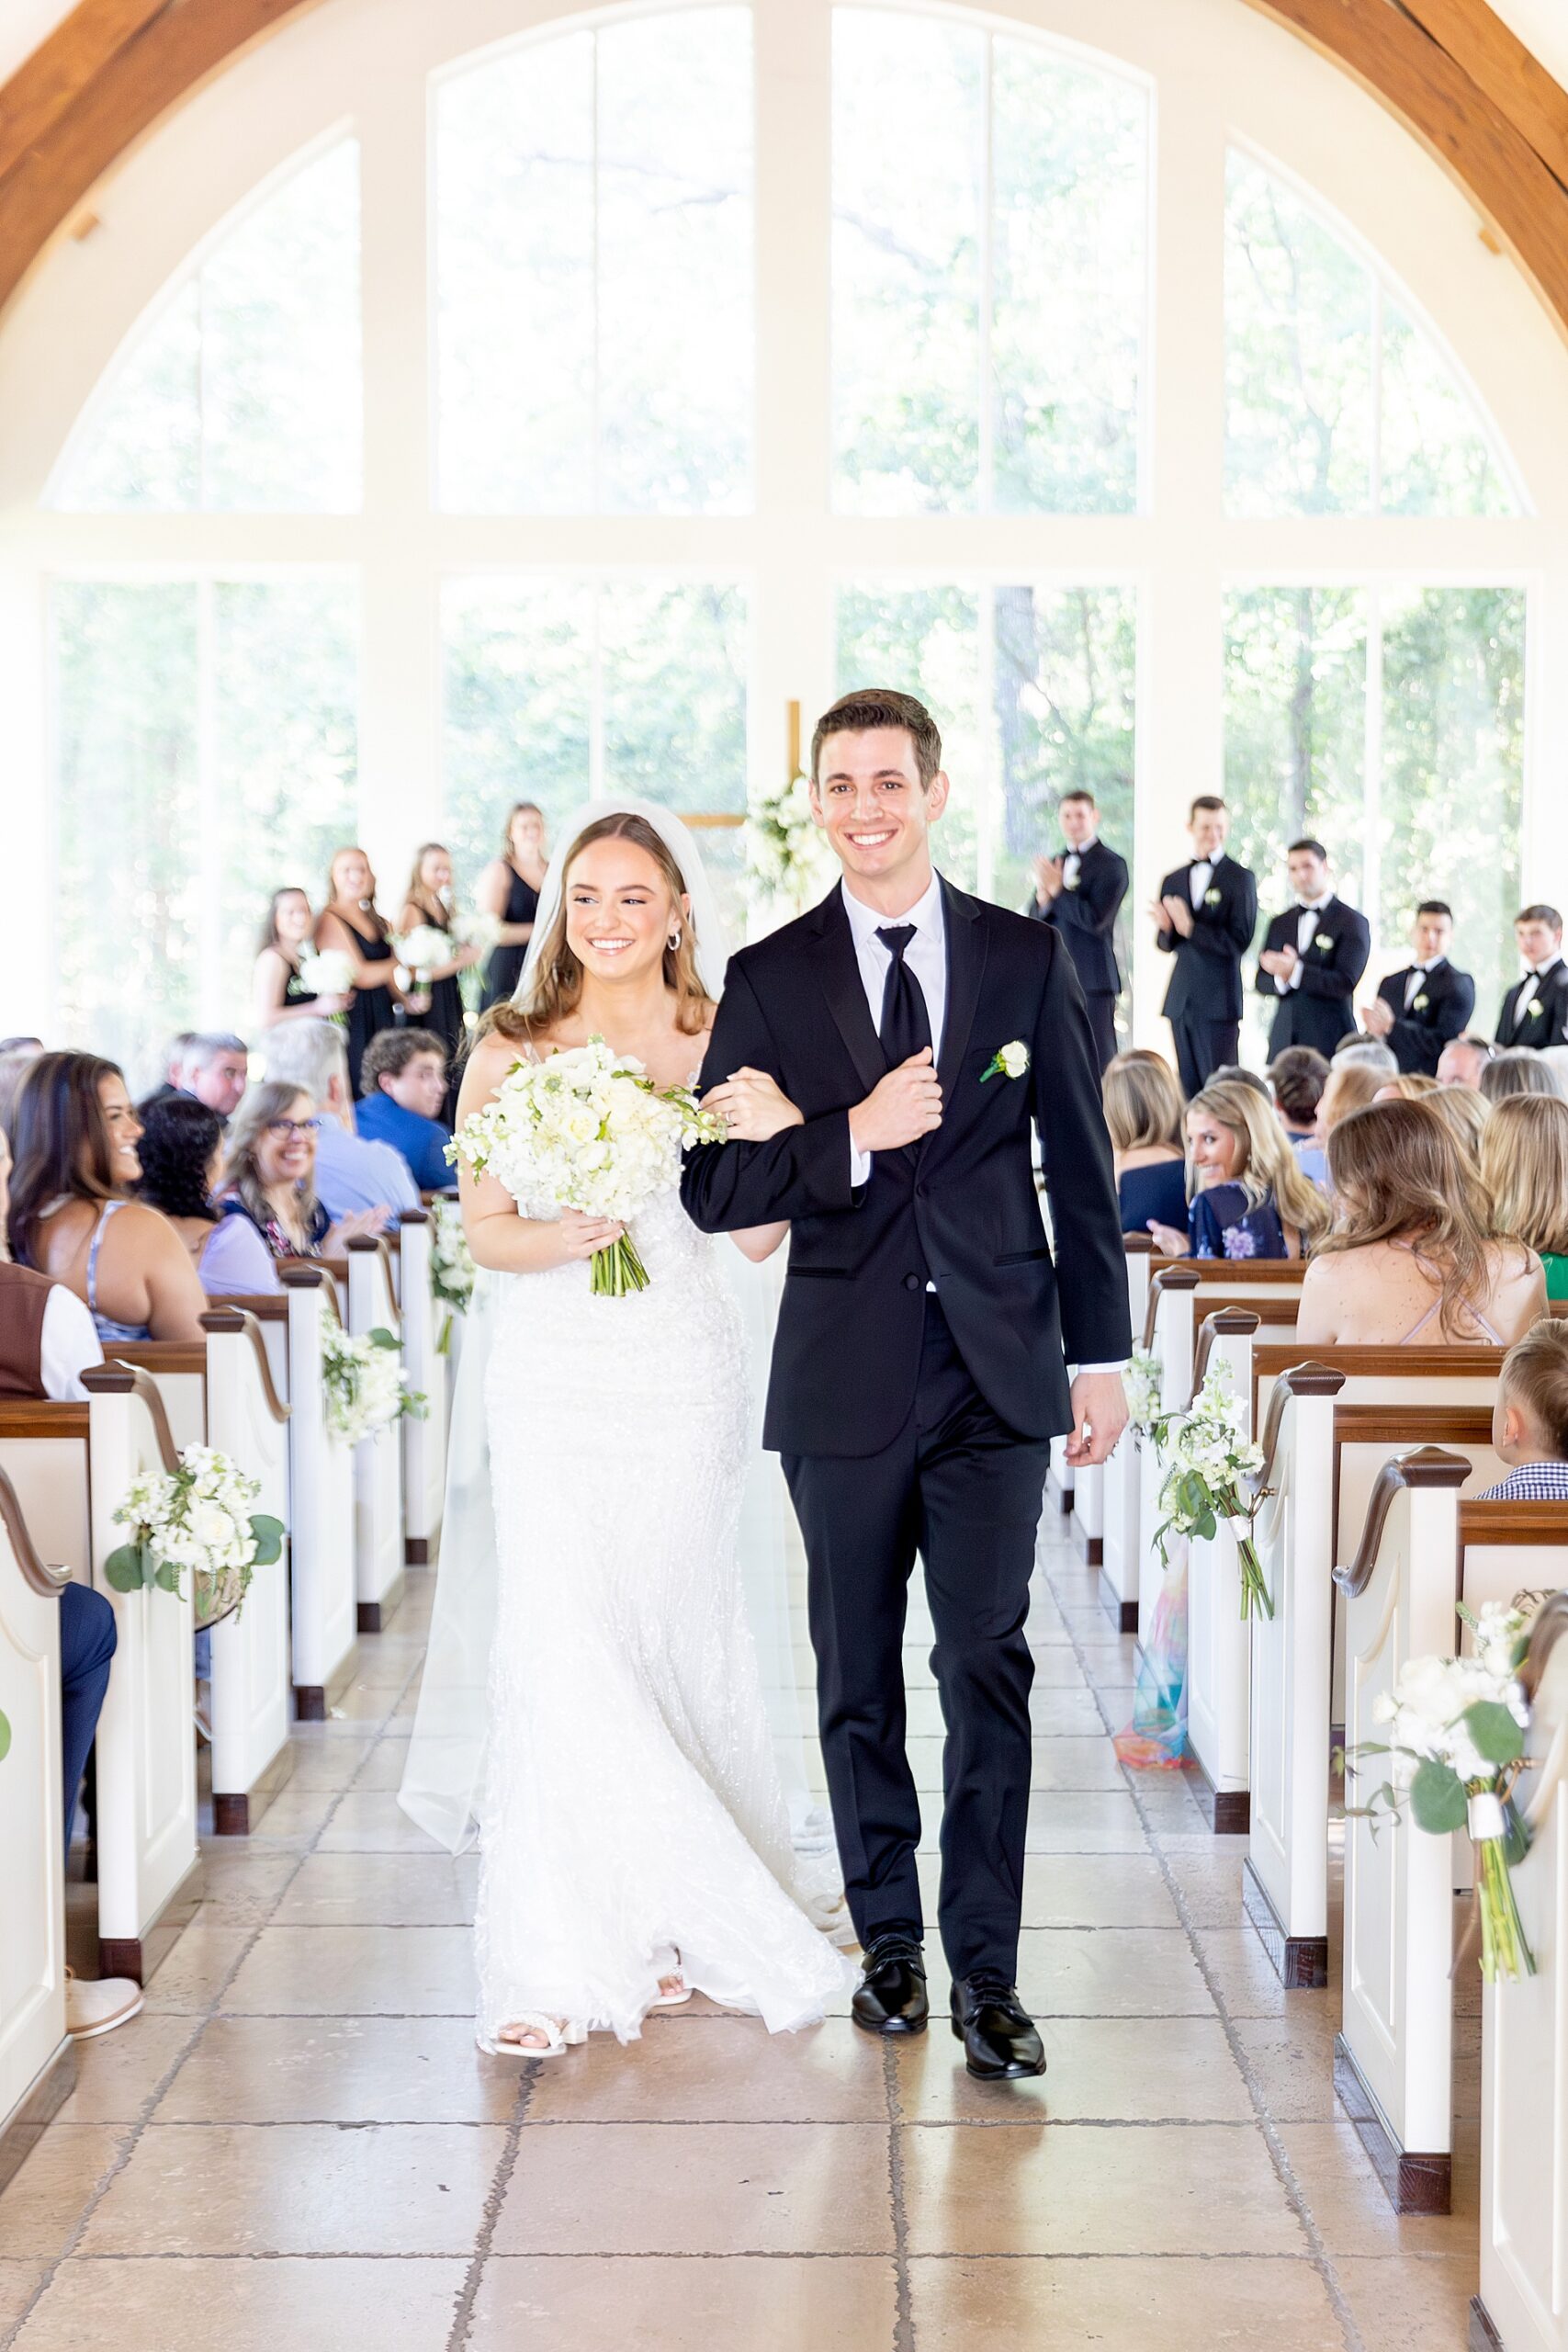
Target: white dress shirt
<point>1198,877</point>
<point>1306,924</point>
<point>926,957</point>
<point>68,1346</point>
<point>1419,974</point>
<point>1534,975</point>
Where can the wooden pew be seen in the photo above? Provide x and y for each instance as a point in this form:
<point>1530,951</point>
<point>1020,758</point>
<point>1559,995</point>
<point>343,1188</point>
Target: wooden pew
<point>1332,1424</point>
<point>38,2061</point>
<point>222,1393</point>
<point>1118,1509</point>
<point>70,1466</point>
<point>321,1484</point>
<point>423,1441</point>
<point>1422,1549</point>
<point>1524,2027</point>
<point>378,1459</point>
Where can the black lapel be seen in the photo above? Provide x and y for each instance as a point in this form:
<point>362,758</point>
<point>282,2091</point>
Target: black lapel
<point>838,969</point>
<point>966,945</point>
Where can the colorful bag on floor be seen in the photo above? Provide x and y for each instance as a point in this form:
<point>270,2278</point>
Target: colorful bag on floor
<point>1155,1739</point>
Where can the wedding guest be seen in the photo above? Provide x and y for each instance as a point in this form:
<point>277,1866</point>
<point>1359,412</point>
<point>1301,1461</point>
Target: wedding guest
<point>182,1156</point>
<point>1462,1060</point>
<point>1514,1069</point>
<point>1410,1259</point>
<point>1297,1077</point>
<point>352,1172</point>
<point>1524,1177</point>
<point>1535,1011</point>
<point>214,1067</point>
<point>1204,916</point>
<point>1366,1053</point>
<point>405,1078</point>
<point>1530,1420</point>
<point>1143,1111</point>
<point>509,890</point>
<point>15,1064</point>
<point>270,1206</point>
<point>1080,891</point>
<point>1248,1197</point>
<point>353,925</point>
<point>47,1342</point>
<point>1466,1113</point>
<point>277,992</point>
<point>1410,1085</point>
<point>1312,957</point>
<point>1236,1074</point>
<point>1349,1086</point>
<point>31,1046</point>
<point>1419,1009</point>
<point>72,1217</point>
<point>429,900</point>
<point>173,1082</point>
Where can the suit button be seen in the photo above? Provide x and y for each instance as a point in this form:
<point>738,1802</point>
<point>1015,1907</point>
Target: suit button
<point>911,1282</point>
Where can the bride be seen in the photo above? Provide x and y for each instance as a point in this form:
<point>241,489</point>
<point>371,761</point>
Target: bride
<point>635,1838</point>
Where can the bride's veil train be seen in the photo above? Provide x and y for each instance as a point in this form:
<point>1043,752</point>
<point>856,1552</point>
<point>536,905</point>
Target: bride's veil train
<point>441,1781</point>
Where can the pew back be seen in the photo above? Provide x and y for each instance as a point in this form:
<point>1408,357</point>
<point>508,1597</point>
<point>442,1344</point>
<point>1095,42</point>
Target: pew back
<point>35,2057</point>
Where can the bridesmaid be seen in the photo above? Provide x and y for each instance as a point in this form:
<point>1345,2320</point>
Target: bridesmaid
<point>429,900</point>
<point>509,889</point>
<point>352,923</point>
<point>277,992</point>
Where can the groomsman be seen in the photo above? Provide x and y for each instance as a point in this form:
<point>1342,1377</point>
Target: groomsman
<point>1081,890</point>
<point>1419,1011</point>
<point>1312,957</point>
<point>1535,1011</point>
<point>1206,916</point>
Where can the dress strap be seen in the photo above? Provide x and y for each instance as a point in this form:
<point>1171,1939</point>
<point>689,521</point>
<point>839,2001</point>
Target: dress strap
<point>103,1216</point>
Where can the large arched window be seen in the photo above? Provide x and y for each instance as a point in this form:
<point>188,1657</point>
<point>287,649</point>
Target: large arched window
<point>538,401</point>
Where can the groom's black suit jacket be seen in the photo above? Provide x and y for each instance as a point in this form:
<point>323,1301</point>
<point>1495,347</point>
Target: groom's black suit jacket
<point>958,1208</point>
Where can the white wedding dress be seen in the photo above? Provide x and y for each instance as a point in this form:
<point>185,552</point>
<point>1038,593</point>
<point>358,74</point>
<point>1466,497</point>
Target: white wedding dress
<point>632,1820</point>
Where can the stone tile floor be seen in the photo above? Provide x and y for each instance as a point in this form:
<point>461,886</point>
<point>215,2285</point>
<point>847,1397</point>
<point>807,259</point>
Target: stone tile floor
<point>298,2144</point>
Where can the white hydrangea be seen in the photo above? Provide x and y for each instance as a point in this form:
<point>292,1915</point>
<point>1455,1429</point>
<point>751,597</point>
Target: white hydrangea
<point>364,1386</point>
<point>327,972</point>
<point>420,949</point>
<point>1423,1712</point>
<point>197,1517</point>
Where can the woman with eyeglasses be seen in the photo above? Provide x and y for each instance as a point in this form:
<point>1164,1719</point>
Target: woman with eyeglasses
<point>268,1200</point>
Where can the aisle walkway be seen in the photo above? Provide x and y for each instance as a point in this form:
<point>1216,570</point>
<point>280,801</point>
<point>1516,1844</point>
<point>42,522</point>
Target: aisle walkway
<point>298,2146</point>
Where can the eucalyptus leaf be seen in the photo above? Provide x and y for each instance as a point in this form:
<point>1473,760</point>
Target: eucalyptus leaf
<point>5,1739</point>
<point>125,1568</point>
<point>268,1533</point>
<point>1437,1798</point>
<point>1494,1730</point>
<point>381,1338</point>
<point>1515,1836</point>
<point>166,1576</point>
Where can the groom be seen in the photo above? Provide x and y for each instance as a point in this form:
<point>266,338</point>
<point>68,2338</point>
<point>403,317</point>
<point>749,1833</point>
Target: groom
<point>918,1371</point>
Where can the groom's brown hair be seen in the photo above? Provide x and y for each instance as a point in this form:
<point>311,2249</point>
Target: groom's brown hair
<point>865,707</point>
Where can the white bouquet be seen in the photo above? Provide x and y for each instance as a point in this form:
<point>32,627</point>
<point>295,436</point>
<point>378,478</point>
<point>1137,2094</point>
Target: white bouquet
<point>326,972</point>
<point>588,1129</point>
<point>480,928</point>
<point>1212,1457</point>
<point>420,949</point>
<point>452,1272</point>
<point>197,1517</point>
<point>1456,1728</point>
<point>787,850</point>
<point>365,1385</point>
<point>1141,1383</point>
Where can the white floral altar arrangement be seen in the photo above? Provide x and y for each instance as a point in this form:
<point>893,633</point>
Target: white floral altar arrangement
<point>1456,1736</point>
<point>588,1129</point>
<point>197,1517</point>
<point>452,1270</point>
<point>1211,1462</point>
<point>787,854</point>
<point>363,1385</point>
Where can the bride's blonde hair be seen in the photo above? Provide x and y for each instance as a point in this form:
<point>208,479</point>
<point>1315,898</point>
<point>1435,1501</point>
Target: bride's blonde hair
<point>557,982</point>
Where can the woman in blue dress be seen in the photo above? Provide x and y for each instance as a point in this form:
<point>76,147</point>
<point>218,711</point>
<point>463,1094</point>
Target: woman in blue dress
<point>1143,1111</point>
<point>1248,1196</point>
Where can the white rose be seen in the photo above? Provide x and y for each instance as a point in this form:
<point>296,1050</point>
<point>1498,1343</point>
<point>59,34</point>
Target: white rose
<point>1014,1058</point>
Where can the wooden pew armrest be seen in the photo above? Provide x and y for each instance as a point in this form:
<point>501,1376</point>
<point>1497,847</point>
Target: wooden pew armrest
<point>37,1574</point>
<point>125,1380</point>
<point>1307,1379</point>
<point>231,1319</point>
<point>1428,1465</point>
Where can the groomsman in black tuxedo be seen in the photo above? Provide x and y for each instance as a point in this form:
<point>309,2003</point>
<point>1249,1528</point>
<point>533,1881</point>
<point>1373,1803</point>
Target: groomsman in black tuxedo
<point>1535,1011</point>
<point>1419,1011</point>
<point>1206,916</point>
<point>1080,890</point>
<point>1312,957</point>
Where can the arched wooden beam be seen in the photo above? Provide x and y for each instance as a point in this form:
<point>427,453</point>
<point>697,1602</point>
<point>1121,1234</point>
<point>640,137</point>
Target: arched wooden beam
<point>1449,70</point>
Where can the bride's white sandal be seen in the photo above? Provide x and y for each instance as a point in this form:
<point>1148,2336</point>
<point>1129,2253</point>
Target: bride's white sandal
<point>675,1999</point>
<point>557,2036</point>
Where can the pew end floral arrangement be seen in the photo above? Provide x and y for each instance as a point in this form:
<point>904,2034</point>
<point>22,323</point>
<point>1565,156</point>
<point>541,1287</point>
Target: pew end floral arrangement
<point>1456,1740</point>
<point>1212,1479</point>
<point>197,1517</point>
<point>365,1386</point>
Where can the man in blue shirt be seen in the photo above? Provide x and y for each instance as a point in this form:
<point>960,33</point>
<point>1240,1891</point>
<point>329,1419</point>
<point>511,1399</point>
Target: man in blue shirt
<point>352,1171</point>
<point>402,1084</point>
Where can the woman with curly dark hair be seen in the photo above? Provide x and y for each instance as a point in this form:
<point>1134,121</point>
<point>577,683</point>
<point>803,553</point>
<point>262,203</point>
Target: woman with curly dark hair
<point>181,1153</point>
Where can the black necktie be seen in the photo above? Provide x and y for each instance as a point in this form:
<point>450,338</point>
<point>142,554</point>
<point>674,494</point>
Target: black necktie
<point>905,1022</point>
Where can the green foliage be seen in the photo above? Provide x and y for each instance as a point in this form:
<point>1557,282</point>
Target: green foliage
<point>5,1735</point>
<point>1494,1732</point>
<point>1437,1797</point>
<point>268,1533</point>
<point>129,1567</point>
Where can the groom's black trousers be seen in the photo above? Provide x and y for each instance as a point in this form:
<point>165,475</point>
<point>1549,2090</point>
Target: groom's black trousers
<point>961,1487</point>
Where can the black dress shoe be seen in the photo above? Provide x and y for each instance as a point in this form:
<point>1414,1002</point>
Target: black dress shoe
<point>1000,2039</point>
<point>891,1995</point>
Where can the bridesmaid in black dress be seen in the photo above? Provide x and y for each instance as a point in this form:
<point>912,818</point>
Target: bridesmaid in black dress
<point>429,900</point>
<point>509,889</point>
<point>353,925</point>
<point>278,994</point>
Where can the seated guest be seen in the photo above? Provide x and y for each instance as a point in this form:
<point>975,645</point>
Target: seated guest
<point>1535,1011</point>
<point>1523,1176</point>
<point>1365,1053</point>
<point>1530,1422</point>
<point>1514,1069</point>
<point>1143,1111</point>
<point>352,1172</point>
<point>1410,1085</point>
<point>47,1342</point>
<point>14,1063</point>
<point>1419,1009</point>
<point>1349,1086</point>
<point>1462,1060</point>
<point>1249,1198</point>
<point>403,1085</point>
<point>72,1217</point>
<point>213,1066</point>
<point>174,1068</point>
<point>1410,1259</point>
<point>1297,1077</point>
<point>1465,1113</point>
<point>182,1161</point>
<point>269,1202</point>
<point>1234,1074</point>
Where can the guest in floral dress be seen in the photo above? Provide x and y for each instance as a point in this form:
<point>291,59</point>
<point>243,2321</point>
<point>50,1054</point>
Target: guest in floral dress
<point>1247,1196</point>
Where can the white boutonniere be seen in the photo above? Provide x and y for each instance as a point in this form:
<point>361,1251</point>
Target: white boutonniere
<point>1070,881</point>
<point>1537,1009</point>
<point>1212,897</point>
<point>1008,1061</point>
<point>1322,942</point>
<point>1420,1004</point>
